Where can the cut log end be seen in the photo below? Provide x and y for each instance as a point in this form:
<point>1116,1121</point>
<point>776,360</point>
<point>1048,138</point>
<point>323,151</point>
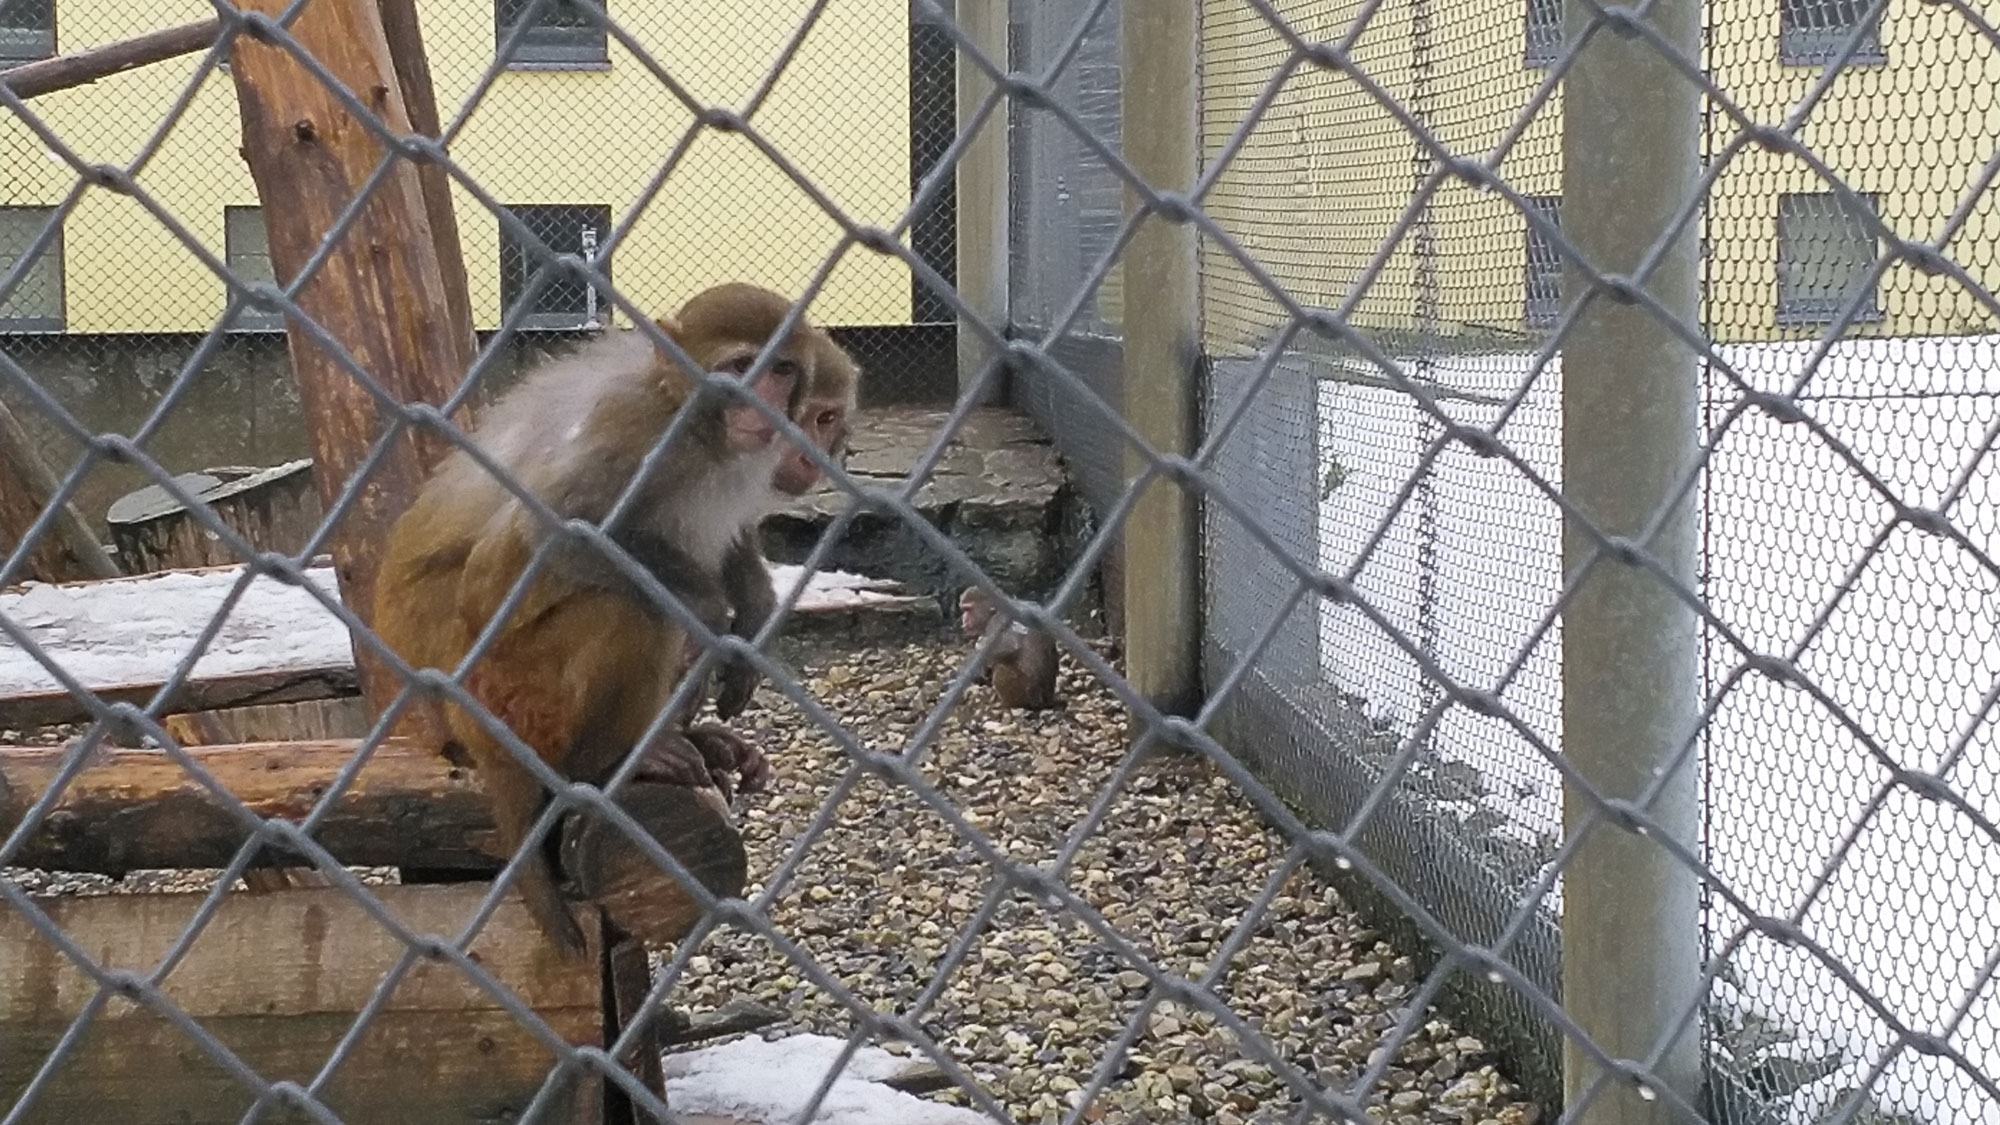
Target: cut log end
<point>641,898</point>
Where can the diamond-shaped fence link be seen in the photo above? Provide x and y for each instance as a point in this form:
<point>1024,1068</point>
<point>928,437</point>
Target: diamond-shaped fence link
<point>1407,922</point>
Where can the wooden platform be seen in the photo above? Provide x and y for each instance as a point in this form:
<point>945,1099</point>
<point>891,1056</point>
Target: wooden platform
<point>122,638</point>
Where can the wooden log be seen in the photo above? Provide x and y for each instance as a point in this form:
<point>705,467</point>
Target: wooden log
<point>413,72</point>
<point>140,810</point>
<point>279,979</point>
<point>309,721</point>
<point>274,509</point>
<point>44,708</point>
<point>380,292</point>
<point>81,68</point>
<point>67,551</point>
<point>408,807</point>
<point>638,896</point>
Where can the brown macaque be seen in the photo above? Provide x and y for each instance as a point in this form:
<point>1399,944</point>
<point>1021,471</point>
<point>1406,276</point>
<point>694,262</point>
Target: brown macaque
<point>821,408</point>
<point>1022,663</point>
<point>585,662</point>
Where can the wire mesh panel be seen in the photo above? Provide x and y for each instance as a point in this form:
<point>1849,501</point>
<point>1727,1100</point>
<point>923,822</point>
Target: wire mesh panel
<point>1455,559</point>
<point>1067,207</point>
<point>1886,134</point>
<point>1366,877</point>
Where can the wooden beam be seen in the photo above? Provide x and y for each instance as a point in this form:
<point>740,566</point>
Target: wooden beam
<point>1161,561</point>
<point>68,551</point>
<point>413,73</point>
<point>81,68</point>
<point>290,685</point>
<point>408,807</point>
<point>279,979</point>
<point>380,293</point>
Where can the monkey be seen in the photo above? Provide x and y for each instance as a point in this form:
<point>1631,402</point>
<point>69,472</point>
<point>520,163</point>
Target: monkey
<point>584,663</point>
<point>821,409</point>
<point>1022,665</point>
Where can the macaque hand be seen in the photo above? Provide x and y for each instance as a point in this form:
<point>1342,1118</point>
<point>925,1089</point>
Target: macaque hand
<point>739,682</point>
<point>726,753</point>
<point>674,759</point>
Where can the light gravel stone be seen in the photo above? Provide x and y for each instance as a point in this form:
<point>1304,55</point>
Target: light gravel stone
<point>1032,1004</point>
<point>1040,999</point>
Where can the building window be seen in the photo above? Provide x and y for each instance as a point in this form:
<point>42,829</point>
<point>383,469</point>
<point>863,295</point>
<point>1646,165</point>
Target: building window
<point>565,302</point>
<point>1545,32</point>
<point>36,302</point>
<point>1543,277</point>
<point>1825,251</point>
<point>27,31</point>
<point>1812,32</point>
<point>562,37</point>
<point>247,249</point>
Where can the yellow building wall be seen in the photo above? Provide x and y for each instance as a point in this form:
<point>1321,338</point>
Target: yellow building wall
<point>1325,178</point>
<point>1317,187</point>
<point>1917,130</point>
<point>839,113</point>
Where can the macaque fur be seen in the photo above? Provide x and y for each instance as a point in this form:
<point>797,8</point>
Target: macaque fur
<point>1022,663</point>
<point>586,661</point>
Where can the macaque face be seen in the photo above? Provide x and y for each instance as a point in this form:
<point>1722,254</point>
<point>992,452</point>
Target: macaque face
<point>974,611</point>
<point>825,423</point>
<point>749,431</point>
<point>822,412</point>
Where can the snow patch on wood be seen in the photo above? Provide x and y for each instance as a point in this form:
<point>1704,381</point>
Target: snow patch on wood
<point>127,631</point>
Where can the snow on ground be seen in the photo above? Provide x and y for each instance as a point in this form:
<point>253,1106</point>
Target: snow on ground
<point>137,630</point>
<point>1908,653</point>
<point>759,1082</point>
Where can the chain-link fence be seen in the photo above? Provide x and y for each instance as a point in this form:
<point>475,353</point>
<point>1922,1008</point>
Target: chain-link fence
<point>1595,542</point>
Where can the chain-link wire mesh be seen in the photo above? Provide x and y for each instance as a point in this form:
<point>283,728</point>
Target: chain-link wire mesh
<point>1380,464</point>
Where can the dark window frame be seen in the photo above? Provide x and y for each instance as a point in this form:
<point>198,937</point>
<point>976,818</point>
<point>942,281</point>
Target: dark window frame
<point>249,319</point>
<point>1542,33</point>
<point>517,266</point>
<point>52,254</point>
<point>24,40</point>
<point>1541,267</point>
<point>576,43</point>
<point>1807,311</point>
<point>1806,38</point>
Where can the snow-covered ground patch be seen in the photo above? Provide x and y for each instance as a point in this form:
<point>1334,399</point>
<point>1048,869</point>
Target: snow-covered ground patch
<point>758,1082</point>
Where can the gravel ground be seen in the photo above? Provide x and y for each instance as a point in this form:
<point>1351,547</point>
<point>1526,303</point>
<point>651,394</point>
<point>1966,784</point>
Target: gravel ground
<point>888,888</point>
<point>886,891</point>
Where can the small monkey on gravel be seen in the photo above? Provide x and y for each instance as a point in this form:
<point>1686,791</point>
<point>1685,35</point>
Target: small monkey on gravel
<point>586,661</point>
<point>1022,664</point>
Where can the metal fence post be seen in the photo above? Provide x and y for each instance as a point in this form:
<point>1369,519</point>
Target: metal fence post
<point>1162,139</point>
<point>1631,940</point>
<point>982,192</point>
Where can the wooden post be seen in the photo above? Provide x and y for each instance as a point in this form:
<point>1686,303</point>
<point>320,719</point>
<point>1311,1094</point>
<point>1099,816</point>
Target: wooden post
<point>413,72</point>
<point>1161,577</point>
<point>982,195</point>
<point>381,293</point>
<point>68,552</point>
